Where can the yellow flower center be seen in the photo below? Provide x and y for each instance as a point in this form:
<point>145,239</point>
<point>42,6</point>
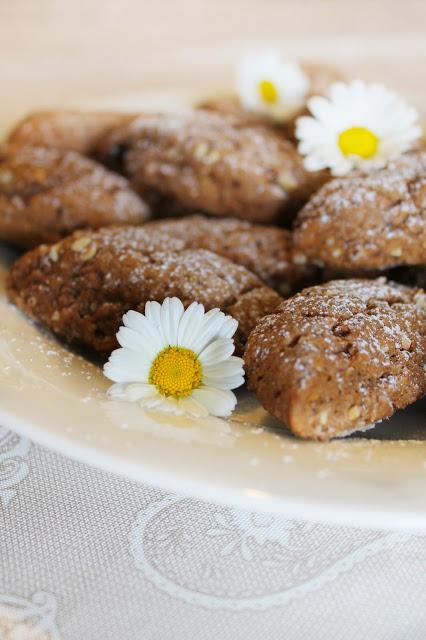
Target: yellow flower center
<point>176,372</point>
<point>268,91</point>
<point>358,141</point>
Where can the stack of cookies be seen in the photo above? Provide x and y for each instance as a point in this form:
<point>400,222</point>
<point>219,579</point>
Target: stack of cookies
<point>324,273</point>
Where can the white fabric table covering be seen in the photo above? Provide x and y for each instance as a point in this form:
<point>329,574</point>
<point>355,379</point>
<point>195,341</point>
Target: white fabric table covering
<point>86,555</point>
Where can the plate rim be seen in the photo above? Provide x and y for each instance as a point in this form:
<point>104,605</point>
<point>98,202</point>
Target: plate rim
<point>260,501</point>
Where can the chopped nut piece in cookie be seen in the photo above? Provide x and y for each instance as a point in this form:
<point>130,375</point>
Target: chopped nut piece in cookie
<point>80,244</point>
<point>354,413</point>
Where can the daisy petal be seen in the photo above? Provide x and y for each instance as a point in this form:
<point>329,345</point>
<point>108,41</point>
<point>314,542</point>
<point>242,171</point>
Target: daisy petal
<point>285,82</point>
<point>322,109</point>
<point>135,341</point>
<point>126,366</point>
<point>164,405</point>
<point>190,324</point>
<point>192,407</point>
<point>233,366</point>
<point>146,327</point>
<point>177,373</point>
<point>217,351</point>
<point>314,163</point>
<point>217,402</point>
<point>152,402</point>
<point>153,312</point>
<point>212,323</point>
<point>376,123</point>
<point>171,313</point>
<point>133,392</point>
<point>225,382</point>
<point>228,328</point>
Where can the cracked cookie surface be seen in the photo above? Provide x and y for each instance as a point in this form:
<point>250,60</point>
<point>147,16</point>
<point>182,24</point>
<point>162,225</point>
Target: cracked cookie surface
<point>47,193</point>
<point>81,286</point>
<point>340,357</point>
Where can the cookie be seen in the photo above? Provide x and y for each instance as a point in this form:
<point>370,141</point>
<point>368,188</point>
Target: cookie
<point>367,221</point>
<point>212,163</point>
<point>320,76</point>
<point>340,357</point>
<point>229,104</point>
<point>264,250</point>
<point>67,130</point>
<point>47,193</point>
<point>81,286</point>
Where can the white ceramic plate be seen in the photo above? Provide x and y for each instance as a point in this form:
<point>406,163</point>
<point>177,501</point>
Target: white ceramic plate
<point>57,398</point>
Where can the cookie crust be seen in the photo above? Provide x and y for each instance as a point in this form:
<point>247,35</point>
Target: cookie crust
<point>340,357</point>
<point>81,286</point>
<point>262,249</point>
<point>69,130</point>
<point>212,163</point>
<point>367,221</point>
<point>47,193</point>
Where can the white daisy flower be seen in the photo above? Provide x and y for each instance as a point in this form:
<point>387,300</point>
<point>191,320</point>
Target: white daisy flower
<point>176,360</point>
<point>267,84</point>
<point>358,126</point>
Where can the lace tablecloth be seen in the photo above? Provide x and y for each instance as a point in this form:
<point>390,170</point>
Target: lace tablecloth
<point>86,555</point>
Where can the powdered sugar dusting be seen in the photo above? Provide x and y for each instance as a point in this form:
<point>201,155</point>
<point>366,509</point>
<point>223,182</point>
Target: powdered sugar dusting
<point>374,221</point>
<point>339,357</point>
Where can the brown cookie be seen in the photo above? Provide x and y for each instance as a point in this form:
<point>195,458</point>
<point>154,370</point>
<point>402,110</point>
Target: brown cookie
<point>67,130</point>
<point>367,221</point>
<point>81,286</point>
<point>320,76</point>
<point>340,357</point>
<point>264,250</point>
<point>47,193</point>
<point>229,104</point>
<point>212,163</point>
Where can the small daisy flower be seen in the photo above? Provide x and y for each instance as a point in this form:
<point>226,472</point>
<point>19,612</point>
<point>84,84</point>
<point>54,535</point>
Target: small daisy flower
<point>267,84</point>
<point>359,126</point>
<point>176,360</point>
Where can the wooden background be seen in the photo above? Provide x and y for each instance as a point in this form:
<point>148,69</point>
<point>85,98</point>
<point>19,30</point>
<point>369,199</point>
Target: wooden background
<point>86,50</point>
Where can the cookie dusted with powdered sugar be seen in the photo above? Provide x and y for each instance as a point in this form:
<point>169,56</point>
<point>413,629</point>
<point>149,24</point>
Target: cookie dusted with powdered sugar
<point>66,129</point>
<point>81,286</point>
<point>340,357</point>
<point>212,163</point>
<point>367,221</point>
<point>264,250</point>
<point>47,193</point>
